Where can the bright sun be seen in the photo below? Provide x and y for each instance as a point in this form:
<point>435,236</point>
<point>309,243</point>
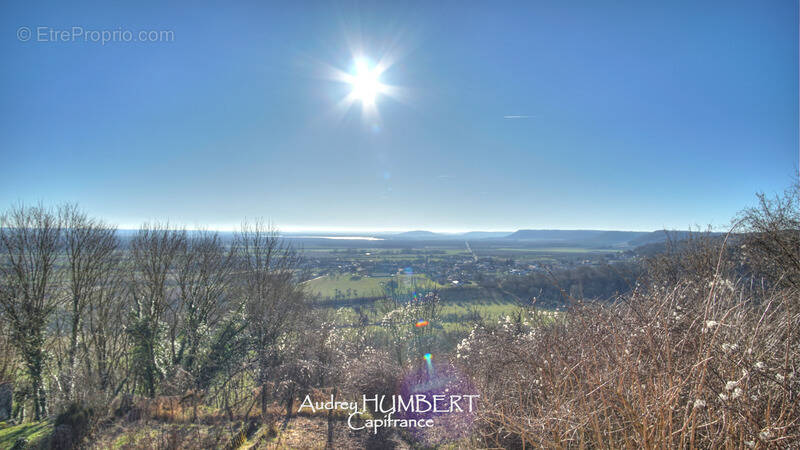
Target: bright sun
<point>366,86</point>
<point>366,83</point>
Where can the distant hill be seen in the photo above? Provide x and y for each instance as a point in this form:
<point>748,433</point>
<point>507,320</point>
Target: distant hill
<point>484,234</point>
<point>554,235</point>
<point>598,238</point>
<point>657,237</point>
<point>579,238</point>
<point>656,242</point>
<point>417,234</point>
<point>430,235</point>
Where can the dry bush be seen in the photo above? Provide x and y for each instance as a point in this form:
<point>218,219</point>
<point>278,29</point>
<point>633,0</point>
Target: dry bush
<point>692,256</point>
<point>772,244</point>
<point>72,426</point>
<point>374,373</point>
<point>175,409</point>
<point>163,437</point>
<point>689,364</point>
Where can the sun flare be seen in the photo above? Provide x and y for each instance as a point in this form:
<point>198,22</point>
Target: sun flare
<point>366,83</point>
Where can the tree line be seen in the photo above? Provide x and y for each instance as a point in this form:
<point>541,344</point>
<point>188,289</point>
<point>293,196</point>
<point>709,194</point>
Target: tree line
<point>90,316</point>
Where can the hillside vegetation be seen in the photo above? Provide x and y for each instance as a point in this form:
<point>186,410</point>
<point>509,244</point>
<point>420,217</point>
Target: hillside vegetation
<point>704,353</point>
<point>177,340</point>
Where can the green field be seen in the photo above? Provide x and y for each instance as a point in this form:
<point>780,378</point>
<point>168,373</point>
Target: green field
<point>459,304</point>
<point>328,285</point>
<point>362,286</point>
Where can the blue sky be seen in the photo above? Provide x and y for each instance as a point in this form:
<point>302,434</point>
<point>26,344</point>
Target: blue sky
<point>637,115</point>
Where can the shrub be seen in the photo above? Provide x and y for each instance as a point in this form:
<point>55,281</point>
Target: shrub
<point>772,244</point>
<point>708,365</point>
<point>72,426</point>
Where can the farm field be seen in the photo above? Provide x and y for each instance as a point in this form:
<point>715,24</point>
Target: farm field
<point>550,250</point>
<point>357,286</point>
<point>328,286</point>
<point>460,306</point>
<point>354,275</point>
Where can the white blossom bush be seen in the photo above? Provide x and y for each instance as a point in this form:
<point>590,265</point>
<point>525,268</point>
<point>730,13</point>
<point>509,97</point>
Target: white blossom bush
<point>700,363</point>
<point>405,340</point>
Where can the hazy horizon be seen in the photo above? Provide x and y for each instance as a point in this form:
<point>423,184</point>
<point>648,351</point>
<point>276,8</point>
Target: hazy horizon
<point>318,231</point>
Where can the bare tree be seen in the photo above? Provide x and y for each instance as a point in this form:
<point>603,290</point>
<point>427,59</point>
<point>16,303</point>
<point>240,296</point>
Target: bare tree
<point>90,246</point>
<point>772,244</point>
<point>8,358</point>
<point>106,313</point>
<point>273,298</point>
<point>30,241</point>
<point>204,272</point>
<point>153,252</point>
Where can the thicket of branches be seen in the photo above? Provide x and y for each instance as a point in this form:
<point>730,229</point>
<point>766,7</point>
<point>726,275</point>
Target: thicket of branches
<point>704,353</point>
<point>91,319</point>
<point>165,323</point>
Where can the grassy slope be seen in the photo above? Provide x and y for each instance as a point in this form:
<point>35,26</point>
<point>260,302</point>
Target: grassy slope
<point>33,432</point>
